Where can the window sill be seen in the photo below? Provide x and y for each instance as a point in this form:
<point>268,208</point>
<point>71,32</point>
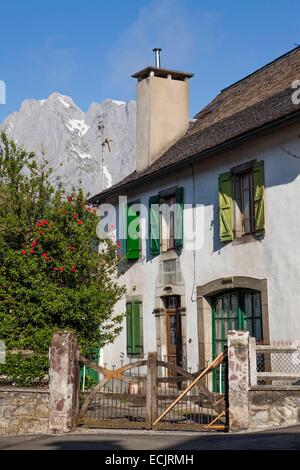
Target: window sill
<point>247,238</point>
<point>135,356</point>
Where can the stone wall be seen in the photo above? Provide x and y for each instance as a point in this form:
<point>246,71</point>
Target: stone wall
<point>273,407</point>
<point>23,411</point>
<point>256,407</point>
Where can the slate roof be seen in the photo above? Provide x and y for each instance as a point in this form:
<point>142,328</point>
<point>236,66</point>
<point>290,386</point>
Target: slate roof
<point>259,100</point>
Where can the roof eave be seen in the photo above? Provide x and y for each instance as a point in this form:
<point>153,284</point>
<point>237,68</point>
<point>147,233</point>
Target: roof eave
<point>235,141</point>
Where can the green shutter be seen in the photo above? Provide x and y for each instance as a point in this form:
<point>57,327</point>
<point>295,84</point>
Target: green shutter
<point>133,241</point>
<point>154,226</point>
<point>179,219</point>
<point>136,328</point>
<point>129,327</point>
<point>133,326</point>
<point>225,207</point>
<point>259,197</point>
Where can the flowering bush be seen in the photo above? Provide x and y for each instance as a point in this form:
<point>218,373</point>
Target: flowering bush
<point>52,275</point>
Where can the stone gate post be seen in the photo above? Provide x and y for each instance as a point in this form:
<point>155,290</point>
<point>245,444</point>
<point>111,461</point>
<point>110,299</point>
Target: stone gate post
<point>238,380</point>
<point>64,382</point>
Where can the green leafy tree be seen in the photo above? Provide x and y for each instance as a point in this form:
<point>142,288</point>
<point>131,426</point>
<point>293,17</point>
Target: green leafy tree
<point>52,273</point>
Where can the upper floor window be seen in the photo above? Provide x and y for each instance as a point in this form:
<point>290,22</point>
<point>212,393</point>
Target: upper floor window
<point>242,201</point>
<point>166,222</point>
<point>244,208</point>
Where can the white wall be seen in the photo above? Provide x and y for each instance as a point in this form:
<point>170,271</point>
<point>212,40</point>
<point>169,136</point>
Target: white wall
<point>276,257</point>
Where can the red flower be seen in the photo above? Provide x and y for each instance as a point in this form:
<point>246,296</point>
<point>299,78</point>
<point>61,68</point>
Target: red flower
<point>120,255</point>
<point>61,268</point>
<point>64,212</point>
<point>95,212</point>
<point>88,209</point>
<point>32,251</point>
<point>24,252</point>
<point>80,222</point>
<point>73,269</point>
<point>69,198</point>
<point>41,223</point>
<point>75,216</point>
<point>118,244</point>
<point>34,243</point>
<point>41,232</point>
<point>45,256</point>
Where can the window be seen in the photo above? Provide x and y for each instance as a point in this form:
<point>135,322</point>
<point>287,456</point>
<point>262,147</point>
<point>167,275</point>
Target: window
<point>243,195</point>
<point>134,328</point>
<point>166,222</point>
<point>241,201</point>
<point>236,310</point>
<point>172,301</point>
<point>169,272</point>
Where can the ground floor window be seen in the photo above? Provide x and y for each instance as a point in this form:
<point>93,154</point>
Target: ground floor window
<point>235,310</point>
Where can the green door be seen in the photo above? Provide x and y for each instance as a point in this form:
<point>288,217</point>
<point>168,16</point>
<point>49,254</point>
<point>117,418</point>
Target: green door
<point>235,310</point>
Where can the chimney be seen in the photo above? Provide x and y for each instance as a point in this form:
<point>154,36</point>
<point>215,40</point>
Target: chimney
<point>162,110</point>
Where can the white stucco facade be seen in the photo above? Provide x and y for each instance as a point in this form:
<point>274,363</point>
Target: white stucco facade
<point>274,258</point>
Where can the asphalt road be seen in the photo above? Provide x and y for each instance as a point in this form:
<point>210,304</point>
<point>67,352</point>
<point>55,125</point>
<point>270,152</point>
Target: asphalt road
<point>280,439</point>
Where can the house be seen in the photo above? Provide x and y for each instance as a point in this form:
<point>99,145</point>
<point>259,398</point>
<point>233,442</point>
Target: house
<point>215,206</point>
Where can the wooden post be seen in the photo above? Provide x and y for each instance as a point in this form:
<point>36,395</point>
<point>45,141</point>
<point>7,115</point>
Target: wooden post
<point>151,391</point>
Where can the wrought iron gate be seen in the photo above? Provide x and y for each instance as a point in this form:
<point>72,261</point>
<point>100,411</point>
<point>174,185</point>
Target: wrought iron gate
<point>153,394</point>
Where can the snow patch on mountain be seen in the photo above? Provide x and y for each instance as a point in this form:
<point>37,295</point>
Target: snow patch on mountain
<point>63,101</point>
<point>78,125</point>
<point>107,176</point>
<point>119,103</point>
<point>80,154</point>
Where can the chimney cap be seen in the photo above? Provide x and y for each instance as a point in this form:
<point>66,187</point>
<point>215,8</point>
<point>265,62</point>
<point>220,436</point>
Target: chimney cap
<point>162,73</point>
<point>157,51</point>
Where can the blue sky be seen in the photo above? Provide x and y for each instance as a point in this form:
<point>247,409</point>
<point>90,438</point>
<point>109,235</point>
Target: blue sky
<point>88,49</point>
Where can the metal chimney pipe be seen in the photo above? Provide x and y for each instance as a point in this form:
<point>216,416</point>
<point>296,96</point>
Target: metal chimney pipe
<point>157,51</point>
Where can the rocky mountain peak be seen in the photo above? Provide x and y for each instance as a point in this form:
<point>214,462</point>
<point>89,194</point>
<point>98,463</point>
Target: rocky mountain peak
<point>94,149</point>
